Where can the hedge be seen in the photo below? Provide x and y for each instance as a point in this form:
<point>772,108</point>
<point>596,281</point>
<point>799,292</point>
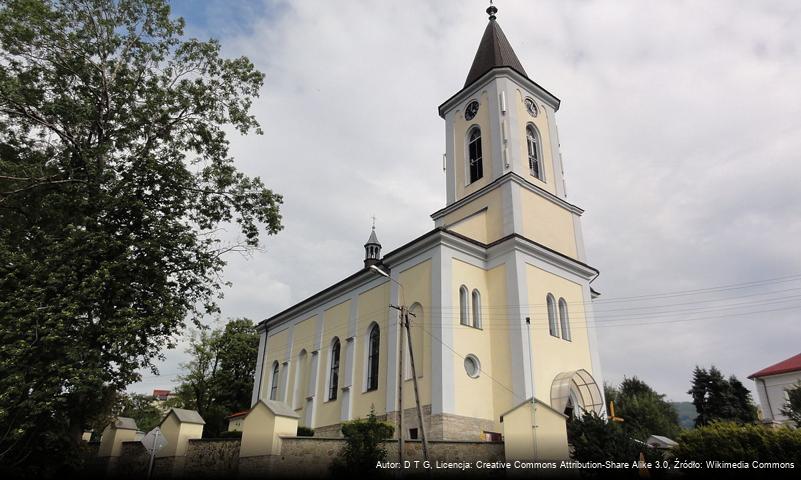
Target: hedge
<point>731,442</point>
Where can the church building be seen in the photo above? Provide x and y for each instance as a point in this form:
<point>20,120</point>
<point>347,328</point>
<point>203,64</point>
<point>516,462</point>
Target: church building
<point>499,290</point>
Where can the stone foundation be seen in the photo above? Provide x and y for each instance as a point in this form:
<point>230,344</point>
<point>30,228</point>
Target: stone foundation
<point>329,431</point>
<point>443,426</point>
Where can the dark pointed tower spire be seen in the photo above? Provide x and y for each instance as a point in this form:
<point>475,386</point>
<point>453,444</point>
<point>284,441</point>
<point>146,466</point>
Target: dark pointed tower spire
<point>493,51</point>
<point>372,249</point>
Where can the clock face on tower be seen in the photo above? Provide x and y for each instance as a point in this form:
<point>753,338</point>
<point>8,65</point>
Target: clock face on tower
<point>531,107</point>
<point>471,110</point>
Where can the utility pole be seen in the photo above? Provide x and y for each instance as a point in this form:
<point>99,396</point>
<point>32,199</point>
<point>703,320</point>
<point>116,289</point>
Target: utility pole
<point>403,318</point>
<point>405,313</point>
<point>400,388</point>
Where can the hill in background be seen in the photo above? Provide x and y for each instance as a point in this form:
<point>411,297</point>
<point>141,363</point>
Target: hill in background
<point>687,413</point>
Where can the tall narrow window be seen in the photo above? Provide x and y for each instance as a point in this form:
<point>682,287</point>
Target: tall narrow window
<point>564,321</point>
<point>476,309</point>
<point>301,378</point>
<point>333,379</point>
<point>274,382</point>
<point>534,161</point>
<point>474,154</point>
<point>372,358</point>
<point>553,327</point>
<point>464,317</point>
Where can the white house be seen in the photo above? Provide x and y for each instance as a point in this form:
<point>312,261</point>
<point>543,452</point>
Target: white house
<point>772,384</point>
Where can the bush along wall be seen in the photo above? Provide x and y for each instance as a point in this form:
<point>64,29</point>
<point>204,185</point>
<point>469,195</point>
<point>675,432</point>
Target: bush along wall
<point>755,445</point>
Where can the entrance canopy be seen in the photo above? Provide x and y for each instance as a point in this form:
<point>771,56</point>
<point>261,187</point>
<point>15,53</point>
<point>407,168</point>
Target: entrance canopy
<point>576,389</point>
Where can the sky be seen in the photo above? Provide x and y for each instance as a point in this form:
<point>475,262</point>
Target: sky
<point>680,127</point>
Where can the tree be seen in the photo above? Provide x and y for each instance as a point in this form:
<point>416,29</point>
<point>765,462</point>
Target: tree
<point>363,446</point>
<point>644,411</point>
<point>218,379</point>
<point>792,408</point>
<point>139,407</point>
<point>115,178</point>
<point>595,439</point>
<point>721,399</point>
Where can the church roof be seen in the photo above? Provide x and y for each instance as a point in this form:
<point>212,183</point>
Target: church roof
<point>493,51</point>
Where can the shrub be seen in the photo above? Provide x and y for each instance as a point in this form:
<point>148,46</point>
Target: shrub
<point>230,434</point>
<point>731,442</point>
<point>597,440</point>
<point>305,432</point>
<point>363,447</point>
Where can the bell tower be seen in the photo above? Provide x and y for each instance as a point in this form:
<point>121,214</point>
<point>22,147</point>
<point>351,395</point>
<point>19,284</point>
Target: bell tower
<point>503,166</point>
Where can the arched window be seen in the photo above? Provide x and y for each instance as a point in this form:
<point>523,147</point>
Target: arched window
<point>534,153</point>
<point>564,320</point>
<point>373,345</point>
<point>474,154</point>
<point>464,312</point>
<point>476,309</point>
<point>333,378</point>
<point>274,382</point>
<point>553,327</point>
<point>301,380</point>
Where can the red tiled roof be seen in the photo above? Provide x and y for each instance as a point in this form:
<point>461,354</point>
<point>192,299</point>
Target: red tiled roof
<point>238,414</point>
<point>160,393</point>
<point>792,364</point>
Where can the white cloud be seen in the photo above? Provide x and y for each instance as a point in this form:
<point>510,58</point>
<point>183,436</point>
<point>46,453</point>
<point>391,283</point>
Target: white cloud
<point>680,129</point>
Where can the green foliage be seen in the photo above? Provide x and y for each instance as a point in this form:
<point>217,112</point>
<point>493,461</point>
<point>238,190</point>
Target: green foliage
<point>595,439</point>
<point>115,176</point>
<point>218,379</point>
<point>732,442</point>
<point>363,448</point>
<point>792,408</point>
<point>139,407</point>
<point>644,411</point>
<point>305,432</point>
<point>719,399</point>
<point>231,434</point>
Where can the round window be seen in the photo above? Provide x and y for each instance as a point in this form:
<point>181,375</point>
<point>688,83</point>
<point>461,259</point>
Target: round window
<point>472,366</point>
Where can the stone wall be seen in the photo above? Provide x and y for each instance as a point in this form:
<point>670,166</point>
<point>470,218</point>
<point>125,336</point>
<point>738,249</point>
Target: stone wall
<point>132,462</point>
<point>306,456</point>
<point>312,457</point>
<point>301,457</point>
<point>450,451</point>
<point>212,457</point>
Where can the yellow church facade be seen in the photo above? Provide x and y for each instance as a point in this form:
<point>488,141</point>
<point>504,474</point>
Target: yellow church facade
<point>499,290</point>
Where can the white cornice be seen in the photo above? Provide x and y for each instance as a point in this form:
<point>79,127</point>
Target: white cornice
<point>508,177</point>
<point>543,253</point>
<point>365,279</point>
<point>507,72</point>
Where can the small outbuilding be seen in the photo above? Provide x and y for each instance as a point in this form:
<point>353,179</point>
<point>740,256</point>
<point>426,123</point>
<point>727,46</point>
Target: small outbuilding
<point>533,430</point>
<point>122,429</point>
<point>263,426</point>
<point>178,427</point>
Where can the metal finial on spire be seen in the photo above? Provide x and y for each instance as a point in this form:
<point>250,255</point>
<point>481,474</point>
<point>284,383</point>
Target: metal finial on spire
<point>492,10</point>
<point>373,217</point>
